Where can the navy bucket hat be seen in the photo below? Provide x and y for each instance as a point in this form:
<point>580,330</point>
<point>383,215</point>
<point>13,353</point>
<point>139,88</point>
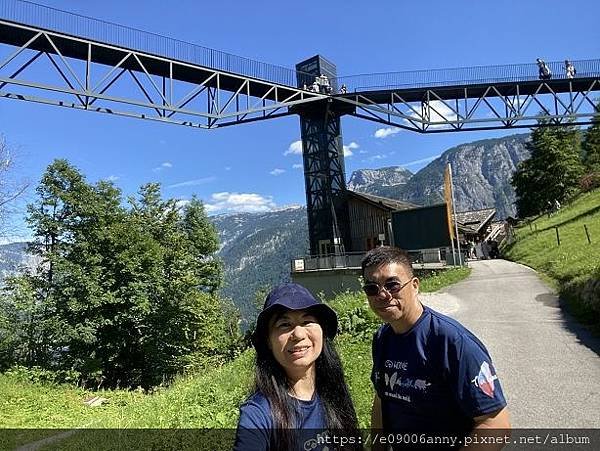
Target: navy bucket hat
<point>292,296</point>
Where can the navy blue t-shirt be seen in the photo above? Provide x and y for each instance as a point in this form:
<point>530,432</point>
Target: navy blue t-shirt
<point>255,426</point>
<point>437,376</point>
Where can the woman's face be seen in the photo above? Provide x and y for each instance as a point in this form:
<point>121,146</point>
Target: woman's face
<point>296,340</point>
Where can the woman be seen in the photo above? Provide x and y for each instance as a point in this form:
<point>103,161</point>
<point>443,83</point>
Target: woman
<point>299,382</point>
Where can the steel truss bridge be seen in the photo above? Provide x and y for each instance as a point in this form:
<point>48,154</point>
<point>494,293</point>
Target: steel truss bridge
<point>58,58</point>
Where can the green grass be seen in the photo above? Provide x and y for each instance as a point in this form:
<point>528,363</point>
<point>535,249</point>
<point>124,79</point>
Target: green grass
<point>570,265</point>
<point>443,278</point>
<point>209,400</point>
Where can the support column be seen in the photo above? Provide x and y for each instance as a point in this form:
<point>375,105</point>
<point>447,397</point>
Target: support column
<point>324,174</point>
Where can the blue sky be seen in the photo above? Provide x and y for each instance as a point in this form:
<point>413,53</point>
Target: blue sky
<point>250,167</point>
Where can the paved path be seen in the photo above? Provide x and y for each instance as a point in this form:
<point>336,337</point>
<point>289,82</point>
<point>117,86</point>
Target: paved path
<point>548,365</point>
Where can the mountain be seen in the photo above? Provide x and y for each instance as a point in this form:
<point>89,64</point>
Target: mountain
<point>482,171</point>
<point>13,256</point>
<point>257,249</point>
<point>379,181</point>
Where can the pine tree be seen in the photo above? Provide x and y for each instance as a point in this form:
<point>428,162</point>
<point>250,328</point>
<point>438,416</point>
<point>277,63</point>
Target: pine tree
<point>553,170</point>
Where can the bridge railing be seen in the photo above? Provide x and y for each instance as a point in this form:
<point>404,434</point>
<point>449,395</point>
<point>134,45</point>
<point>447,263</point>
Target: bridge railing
<point>24,12</point>
<point>423,258</point>
<point>464,76</point>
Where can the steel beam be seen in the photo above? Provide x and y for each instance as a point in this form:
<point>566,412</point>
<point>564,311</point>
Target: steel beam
<point>99,77</point>
<point>493,106</point>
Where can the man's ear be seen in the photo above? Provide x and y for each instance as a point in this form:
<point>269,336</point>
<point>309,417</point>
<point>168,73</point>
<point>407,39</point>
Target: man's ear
<point>416,283</point>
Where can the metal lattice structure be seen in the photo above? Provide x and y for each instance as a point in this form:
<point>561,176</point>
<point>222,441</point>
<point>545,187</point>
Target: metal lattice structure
<point>94,76</point>
<point>480,107</point>
<point>324,172</point>
<point>62,59</point>
<point>325,182</point>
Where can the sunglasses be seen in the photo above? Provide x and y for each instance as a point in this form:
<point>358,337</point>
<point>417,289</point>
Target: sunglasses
<point>392,287</point>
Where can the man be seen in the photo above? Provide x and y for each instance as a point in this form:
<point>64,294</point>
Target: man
<point>430,373</point>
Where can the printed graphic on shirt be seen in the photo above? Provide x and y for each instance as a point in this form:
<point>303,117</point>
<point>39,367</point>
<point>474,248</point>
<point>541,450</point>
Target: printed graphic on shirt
<point>485,380</point>
<point>397,381</point>
<point>396,365</point>
<point>399,387</point>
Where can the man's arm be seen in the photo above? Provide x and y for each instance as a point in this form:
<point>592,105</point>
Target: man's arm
<point>492,429</point>
<point>496,420</point>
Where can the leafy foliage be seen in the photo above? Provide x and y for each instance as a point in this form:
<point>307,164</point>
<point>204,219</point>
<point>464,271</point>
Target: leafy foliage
<point>553,170</point>
<point>207,399</point>
<point>127,295</point>
<point>591,145</point>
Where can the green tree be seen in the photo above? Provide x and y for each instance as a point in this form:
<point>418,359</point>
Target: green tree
<point>553,170</point>
<point>203,240</point>
<point>591,145</point>
<point>25,326</point>
<point>127,293</point>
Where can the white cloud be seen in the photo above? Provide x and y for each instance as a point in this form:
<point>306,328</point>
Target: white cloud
<point>294,149</point>
<point>438,112</point>
<point>226,202</point>
<point>297,166</point>
<point>381,156</point>
<point>385,132</point>
<point>228,168</point>
<point>165,165</point>
<point>348,149</point>
<point>112,178</point>
<point>194,182</point>
<point>277,171</point>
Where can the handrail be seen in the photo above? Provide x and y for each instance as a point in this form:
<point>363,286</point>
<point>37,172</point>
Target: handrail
<point>460,76</point>
<point>48,18</point>
<point>52,19</point>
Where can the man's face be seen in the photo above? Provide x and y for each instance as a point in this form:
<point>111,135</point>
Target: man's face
<point>398,306</point>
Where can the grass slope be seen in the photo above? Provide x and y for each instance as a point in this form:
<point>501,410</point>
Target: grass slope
<point>572,264</point>
<point>210,400</point>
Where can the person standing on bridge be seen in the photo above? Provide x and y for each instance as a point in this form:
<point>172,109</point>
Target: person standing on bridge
<point>299,382</point>
<point>431,375</point>
<point>544,70</point>
<point>570,69</point>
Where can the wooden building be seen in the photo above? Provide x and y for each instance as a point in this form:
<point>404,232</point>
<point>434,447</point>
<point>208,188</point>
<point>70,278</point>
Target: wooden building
<point>369,217</point>
<point>475,225</point>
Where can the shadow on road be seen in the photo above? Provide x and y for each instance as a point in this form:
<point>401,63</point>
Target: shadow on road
<point>585,337</point>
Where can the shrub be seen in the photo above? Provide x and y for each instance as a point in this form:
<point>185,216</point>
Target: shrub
<point>40,375</point>
<point>354,315</point>
<point>590,294</point>
<point>589,182</point>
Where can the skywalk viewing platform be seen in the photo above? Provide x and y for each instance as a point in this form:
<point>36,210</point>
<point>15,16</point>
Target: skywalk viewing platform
<point>13,12</point>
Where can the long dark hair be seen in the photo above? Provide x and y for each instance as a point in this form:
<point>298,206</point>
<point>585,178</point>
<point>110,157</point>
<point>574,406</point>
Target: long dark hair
<point>271,380</point>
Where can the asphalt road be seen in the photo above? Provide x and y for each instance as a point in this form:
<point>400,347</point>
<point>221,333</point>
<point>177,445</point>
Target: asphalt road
<point>548,365</point>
